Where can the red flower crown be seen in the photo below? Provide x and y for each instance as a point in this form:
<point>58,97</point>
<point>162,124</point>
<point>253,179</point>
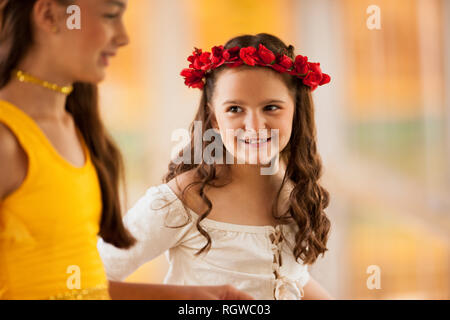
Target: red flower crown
<point>203,62</point>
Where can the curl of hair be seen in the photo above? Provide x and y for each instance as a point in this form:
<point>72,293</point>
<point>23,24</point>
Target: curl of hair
<point>307,199</point>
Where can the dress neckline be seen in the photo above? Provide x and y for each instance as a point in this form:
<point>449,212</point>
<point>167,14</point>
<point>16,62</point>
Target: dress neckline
<point>29,121</point>
<point>265,229</point>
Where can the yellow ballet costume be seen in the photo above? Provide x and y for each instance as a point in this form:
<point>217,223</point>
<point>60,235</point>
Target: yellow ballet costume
<point>49,226</point>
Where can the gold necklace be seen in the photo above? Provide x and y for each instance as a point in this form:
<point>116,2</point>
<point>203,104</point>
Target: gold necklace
<point>24,77</point>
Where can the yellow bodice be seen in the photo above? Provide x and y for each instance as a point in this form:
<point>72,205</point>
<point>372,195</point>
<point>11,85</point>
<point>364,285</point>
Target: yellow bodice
<point>49,226</point>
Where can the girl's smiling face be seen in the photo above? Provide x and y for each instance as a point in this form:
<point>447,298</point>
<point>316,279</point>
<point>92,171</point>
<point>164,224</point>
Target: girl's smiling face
<point>84,54</point>
<point>253,101</point>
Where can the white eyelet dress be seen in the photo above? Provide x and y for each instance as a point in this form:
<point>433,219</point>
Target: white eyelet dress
<point>255,259</point>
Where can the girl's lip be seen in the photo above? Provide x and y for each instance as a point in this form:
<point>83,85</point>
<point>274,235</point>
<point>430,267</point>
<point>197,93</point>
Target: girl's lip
<point>105,57</point>
<point>105,61</point>
<point>255,144</point>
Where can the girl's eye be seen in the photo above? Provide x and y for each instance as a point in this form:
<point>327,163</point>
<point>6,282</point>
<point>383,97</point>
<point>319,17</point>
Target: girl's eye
<point>271,108</point>
<point>234,109</point>
<point>111,16</point>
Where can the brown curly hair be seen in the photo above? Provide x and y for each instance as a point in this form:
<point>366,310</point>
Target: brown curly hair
<point>307,199</point>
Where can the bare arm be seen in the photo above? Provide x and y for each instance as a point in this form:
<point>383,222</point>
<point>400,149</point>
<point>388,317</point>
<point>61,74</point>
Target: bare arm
<point>13,163</point>
<point>137,291</point>
<point>314,291</point>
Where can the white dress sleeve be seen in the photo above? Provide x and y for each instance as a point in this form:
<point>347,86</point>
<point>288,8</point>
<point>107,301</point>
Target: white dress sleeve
<point>153,223</point>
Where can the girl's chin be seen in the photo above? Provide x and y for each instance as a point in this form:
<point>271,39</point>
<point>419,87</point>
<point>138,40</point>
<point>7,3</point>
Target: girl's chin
<point>92,77</point>
<point>253,160</point>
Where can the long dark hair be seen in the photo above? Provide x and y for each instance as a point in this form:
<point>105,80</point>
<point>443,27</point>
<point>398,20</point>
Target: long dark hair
<point>16,39</point>
<point>307,199</point>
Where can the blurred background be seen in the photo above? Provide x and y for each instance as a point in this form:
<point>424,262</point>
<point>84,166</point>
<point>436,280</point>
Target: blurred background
<point>383,124</point>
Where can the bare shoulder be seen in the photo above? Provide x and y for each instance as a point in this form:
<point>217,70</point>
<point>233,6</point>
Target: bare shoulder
<point>13,162</point>
<point>9,148</point>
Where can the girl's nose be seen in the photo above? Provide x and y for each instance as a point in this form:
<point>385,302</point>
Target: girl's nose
<point>121,39</point>
<point>255,121</point>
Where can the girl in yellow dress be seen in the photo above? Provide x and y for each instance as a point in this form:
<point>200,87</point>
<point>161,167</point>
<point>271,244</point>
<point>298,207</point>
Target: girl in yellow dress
<point>59,168</point>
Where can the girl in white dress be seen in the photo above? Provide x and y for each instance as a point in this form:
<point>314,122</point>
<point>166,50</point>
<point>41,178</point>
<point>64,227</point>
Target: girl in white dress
<point>231,215</point>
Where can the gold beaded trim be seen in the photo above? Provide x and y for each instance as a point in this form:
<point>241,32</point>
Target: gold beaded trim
<point>24,77</point>
<point>99,292</point>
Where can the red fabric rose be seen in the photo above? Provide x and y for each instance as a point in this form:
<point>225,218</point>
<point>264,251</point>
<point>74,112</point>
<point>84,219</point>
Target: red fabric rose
<point>312,80</point>
<point>249,56</point>
<point>315,67</point>
<point>217,58</point>
<point>193,78</point>
<point>283,63</point>
<point>200,60</point>
<point>300,65</point>
<point>231,54</point>
<point>315,77</point>
<point>265,55</point>
<point>194,56</point>
<point>231,57</point>
<point>325,79</point>
<point>203,62</point>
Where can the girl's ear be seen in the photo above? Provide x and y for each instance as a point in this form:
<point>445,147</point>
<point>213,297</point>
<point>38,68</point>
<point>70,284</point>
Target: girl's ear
<point>48,15</point>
